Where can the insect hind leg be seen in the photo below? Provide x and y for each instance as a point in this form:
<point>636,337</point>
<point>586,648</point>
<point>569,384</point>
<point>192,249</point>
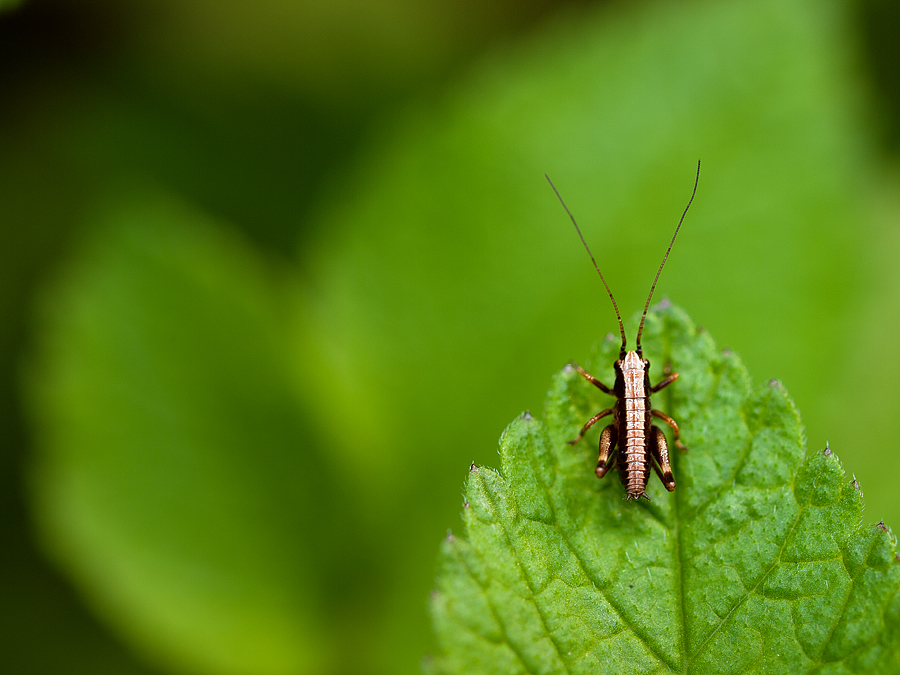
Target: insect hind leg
<point>607,450</point>
<point>659,450</point>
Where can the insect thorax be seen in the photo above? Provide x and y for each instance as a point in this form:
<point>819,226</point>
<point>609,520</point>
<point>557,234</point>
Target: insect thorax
<point>634,372</point>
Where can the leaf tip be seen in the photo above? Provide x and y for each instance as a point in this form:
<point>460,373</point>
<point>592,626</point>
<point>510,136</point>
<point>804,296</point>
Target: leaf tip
<point>855,483</point>
<point>527,416</point>
<point>881,526</point>
<point>828,452</point>
<point>774,383</point>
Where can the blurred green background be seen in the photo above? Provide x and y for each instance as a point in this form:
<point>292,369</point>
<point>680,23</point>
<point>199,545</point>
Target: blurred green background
<point>274,275</point>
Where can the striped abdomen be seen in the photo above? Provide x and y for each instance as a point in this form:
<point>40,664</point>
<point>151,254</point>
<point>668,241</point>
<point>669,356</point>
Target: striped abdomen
<point>633,424</point>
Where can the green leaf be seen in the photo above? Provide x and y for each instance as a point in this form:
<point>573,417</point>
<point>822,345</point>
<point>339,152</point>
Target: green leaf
<point>176,482</point>
<point>757,563</point>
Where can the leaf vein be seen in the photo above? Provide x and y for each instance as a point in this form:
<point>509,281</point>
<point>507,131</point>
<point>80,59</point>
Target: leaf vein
<point>584,569</point>
<point>862,568</point>
<point>755,587</point>
<point>524,572</point>
<point>508,641</point>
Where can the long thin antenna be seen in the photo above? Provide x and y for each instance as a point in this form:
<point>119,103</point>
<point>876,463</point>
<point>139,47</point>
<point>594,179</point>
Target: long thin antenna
<point>665,257</point>
<point>578,229</point>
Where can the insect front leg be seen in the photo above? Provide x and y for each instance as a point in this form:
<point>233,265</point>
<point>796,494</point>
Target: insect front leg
<point>660,451</point>
<point>607,448</point>
<point>591,422</point>
<point>665,383</point>
<point>672,423</point>
<point>593,380</point>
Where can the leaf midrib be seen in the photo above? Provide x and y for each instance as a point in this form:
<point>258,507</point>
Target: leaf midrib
<point>680,562</point>
<point>564,531</point>
<point>677,525</point>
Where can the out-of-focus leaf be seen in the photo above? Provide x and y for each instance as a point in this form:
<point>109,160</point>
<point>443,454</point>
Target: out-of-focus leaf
<point>337,50</point>
<point>756,564</point>
<point>450,253</point>
<point>175,480</point>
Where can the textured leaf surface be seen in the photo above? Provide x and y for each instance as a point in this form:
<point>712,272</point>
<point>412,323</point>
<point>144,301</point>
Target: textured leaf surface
<point>757,563</point>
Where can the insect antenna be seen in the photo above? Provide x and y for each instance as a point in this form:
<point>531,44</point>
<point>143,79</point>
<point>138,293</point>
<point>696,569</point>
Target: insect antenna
<point>665,257</point>
<point>596,267</point>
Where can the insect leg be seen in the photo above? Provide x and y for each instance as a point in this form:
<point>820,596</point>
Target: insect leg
<point>591,422</point>
<point>660,451</point>
<point>672,423</point>
<point>593,380</point>
<point>607,448</point>
<point>665,383</point>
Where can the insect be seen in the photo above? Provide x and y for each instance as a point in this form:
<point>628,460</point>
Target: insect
<point>632,443</point>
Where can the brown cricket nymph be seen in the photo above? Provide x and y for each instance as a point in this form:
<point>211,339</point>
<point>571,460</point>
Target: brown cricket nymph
<point>632,443</point>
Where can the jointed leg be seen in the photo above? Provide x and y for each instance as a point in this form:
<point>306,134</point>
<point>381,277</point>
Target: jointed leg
<point>607,448</point>
<point>660,451</point>
<point>593,380</point>
<point>665,383</point>
<point>591,422</point>
<point>672,423</point>
<point>659,473</point>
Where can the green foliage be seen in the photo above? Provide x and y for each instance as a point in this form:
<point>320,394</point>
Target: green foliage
<point>177,483</point>
<point>238,493</point>
<point>756,564</point>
